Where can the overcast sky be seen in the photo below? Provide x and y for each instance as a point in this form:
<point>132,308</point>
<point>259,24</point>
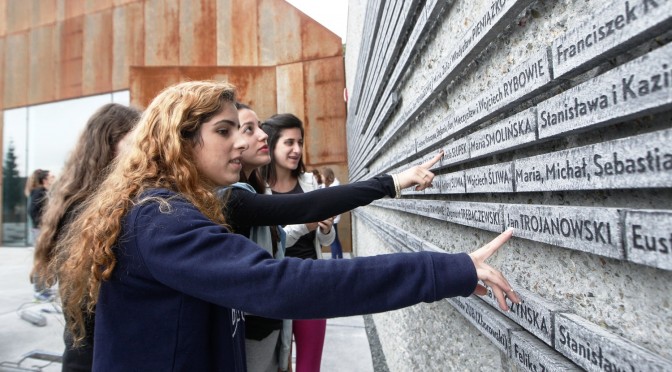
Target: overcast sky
<point>333,14</point>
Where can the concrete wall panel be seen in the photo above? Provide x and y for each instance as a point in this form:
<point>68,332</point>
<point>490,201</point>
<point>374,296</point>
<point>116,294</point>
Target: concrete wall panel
<point>16,70</point>
<point>97,53</point>
<point>72,44</point>
<point>128,43</point>
<point>162,33</point>
<point>459,86</point>
<point>324,82</point>
<point>198,32</point>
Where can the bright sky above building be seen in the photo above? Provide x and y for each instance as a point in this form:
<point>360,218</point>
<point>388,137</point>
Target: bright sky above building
<point>333,14</point>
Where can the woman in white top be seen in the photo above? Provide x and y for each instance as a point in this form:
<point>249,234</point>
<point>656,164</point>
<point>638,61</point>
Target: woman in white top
<point>287,175</point>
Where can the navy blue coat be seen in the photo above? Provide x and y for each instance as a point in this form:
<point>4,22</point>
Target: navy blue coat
<point>176,298</point>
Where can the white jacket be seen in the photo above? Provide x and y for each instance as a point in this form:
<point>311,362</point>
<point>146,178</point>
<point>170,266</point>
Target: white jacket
<point>294,232</point>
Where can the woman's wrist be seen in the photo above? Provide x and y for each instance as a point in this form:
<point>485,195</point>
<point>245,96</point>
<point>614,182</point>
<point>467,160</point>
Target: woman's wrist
<point>397,186</point>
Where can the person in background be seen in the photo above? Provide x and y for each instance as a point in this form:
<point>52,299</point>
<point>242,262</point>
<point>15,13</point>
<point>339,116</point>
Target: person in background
<point>317,177</point>
<point>101,141</point>
<point>329,181</point>
<point>286,174</point>
<point>267,341</point>
<point>39,183</point>
<point>151,252</point>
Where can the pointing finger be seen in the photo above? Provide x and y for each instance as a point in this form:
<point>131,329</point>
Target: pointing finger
<point>430,163</point>
<point>489,249</point>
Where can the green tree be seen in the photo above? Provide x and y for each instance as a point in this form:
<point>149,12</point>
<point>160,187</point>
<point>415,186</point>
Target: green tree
<point>12,186</point>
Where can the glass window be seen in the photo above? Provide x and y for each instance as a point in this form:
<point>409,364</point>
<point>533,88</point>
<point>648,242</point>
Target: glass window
<point>40,136</point>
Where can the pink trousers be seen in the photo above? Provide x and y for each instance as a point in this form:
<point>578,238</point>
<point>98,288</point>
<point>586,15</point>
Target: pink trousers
<point>309,339</point>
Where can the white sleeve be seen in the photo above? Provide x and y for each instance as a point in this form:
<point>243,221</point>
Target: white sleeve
<point>294,232</point>
<point>326,239</point>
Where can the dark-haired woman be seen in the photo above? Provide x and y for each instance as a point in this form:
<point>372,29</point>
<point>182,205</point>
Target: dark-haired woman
<point>100,142</point>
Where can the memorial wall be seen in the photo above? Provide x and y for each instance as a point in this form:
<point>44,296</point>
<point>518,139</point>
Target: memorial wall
<point>555,118</point>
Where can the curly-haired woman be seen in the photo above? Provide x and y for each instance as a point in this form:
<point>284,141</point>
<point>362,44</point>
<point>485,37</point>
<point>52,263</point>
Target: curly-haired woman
<point>85,169</point>
<point>169,282</point>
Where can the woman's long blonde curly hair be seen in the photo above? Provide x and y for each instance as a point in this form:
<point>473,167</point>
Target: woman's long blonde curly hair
<point>160,156</point>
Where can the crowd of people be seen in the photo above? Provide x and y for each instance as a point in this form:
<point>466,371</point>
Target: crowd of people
<point>188,237</point>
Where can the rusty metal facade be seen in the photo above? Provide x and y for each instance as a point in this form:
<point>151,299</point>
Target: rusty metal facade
<point>280,59</point>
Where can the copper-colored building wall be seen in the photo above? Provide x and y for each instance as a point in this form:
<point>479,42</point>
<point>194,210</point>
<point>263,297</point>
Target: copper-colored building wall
<point>16,81</point>
<point>162,33</point>
<point>72,45</point>
<point>237,40</point>
<point>280,39</point>
<point>73,8</point>
<point>53,50</point>
<point>97,53</point>
<point>290,92</point>
<point>19,16</point>
<point>44,12</point>
<point>3,17</point>
<point>323,84</point>
<point>43,82</point>
<point>318,41</point>
<point>198,39</point>
<point>128,42</point>
<point>94,42</point>
<point>255,85</point>
<point>92,6</point>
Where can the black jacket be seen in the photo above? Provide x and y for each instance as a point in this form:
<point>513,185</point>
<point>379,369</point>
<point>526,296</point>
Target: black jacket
<point>38,199</point>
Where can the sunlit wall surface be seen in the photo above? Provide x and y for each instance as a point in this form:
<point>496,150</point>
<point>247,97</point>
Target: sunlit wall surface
<point>40,136</point>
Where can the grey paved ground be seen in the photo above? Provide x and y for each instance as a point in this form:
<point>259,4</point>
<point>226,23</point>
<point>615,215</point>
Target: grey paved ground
<point>346,346</point>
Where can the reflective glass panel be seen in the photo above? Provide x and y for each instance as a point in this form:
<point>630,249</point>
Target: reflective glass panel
<point>40,136</point>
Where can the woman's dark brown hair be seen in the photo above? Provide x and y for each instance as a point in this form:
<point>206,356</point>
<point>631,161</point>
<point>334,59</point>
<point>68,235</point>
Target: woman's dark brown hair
<point>84,170</point>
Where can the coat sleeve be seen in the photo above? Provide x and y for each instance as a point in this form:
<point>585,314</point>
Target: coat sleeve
<point>187,252</point>
<point>294,232</point>
<point>246,208</point>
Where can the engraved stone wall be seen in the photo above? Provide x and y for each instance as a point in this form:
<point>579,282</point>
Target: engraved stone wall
<point>555,118</point>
